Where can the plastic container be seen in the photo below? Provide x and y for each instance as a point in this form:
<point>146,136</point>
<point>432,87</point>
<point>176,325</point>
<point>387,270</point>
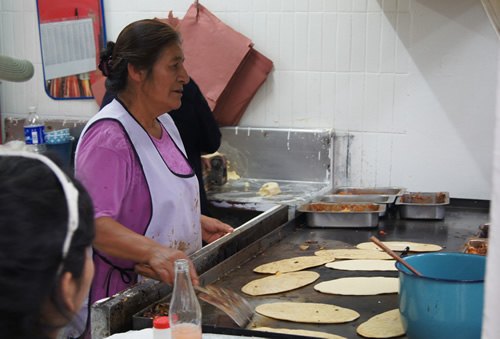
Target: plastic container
<point>185,310</point>
<point>161,325</point>
<point>34,132</point>
<point>63,151</point>
<point>447,300</point>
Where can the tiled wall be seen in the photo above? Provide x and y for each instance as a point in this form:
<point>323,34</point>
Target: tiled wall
<point>410,83</point>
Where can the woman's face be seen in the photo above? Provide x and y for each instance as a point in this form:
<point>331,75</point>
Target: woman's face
<point>164,87</point>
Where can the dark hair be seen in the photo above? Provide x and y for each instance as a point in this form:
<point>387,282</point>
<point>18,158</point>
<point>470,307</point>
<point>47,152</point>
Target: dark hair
<point>33,226</point>
<point>139,43</point>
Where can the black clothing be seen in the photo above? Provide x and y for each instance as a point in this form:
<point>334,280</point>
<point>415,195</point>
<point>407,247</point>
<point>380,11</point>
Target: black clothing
<point>198,129</point>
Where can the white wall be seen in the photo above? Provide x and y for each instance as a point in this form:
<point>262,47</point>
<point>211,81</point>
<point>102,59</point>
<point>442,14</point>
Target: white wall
<point>491,310</point>
<point>412,82</point>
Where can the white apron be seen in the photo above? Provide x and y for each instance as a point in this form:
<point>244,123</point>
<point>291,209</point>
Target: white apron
<point>175,212</point>
<point>175,215</point>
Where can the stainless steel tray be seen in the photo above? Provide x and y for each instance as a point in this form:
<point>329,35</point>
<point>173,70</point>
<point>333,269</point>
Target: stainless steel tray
<point>423,205</point>
<point>353,215</point>
<point>371,198</point>
<point>369,190</point>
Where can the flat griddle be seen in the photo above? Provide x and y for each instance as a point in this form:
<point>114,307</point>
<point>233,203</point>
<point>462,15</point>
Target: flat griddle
<point>463,218</point>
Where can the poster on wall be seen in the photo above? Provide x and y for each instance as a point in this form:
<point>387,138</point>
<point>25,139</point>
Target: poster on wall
<point>72,32</point>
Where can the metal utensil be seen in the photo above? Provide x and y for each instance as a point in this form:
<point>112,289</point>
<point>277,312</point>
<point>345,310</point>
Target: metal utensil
<point>394,255</point>
<point>228,301</point>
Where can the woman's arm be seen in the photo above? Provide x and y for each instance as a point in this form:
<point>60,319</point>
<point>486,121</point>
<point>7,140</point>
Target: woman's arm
<point>157,261</point>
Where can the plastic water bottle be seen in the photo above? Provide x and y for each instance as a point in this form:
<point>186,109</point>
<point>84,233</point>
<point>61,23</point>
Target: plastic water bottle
<point>34,132</point>
<point>185,311</point>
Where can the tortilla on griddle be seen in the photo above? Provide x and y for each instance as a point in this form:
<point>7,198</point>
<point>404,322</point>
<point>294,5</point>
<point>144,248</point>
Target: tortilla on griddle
<point>383,325</point>
<point>280,283</point>
<point>400,246</point>
<point>353,253</point>
<point>314,334</point>
<point>315,313</point>
<point>363,265</point>
<point>292,264</point>
<point>359,286</point>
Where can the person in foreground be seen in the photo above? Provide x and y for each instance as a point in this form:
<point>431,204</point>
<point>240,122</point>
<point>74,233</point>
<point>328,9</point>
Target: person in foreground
<point>46,232</point>
<point>131,159</point>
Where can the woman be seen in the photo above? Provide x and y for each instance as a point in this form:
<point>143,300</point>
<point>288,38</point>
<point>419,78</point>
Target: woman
<point>131,159</point>
<point>46,231</point>
<point>198,129</point>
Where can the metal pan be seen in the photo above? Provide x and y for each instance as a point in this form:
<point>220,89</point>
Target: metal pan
<point>365,198</point>
<point>352,215</point>
<point>368,198</point>
<point>422,205</point>
<point>369,190</point>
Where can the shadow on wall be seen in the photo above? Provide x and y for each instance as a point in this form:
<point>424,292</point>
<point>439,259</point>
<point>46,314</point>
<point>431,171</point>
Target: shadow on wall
<point>454,33</point>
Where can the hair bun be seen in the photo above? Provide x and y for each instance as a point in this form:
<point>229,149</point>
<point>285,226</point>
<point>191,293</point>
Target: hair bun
<point>106,58</point>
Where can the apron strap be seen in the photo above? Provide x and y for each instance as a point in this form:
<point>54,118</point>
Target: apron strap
<point>126,274</point>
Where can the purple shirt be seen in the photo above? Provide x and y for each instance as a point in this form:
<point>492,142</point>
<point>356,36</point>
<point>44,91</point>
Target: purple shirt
<point>113,176</point>
<point>111,172</point>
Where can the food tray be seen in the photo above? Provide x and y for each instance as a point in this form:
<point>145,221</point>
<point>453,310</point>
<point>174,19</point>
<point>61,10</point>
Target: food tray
<point>324,214</point>
<point>395,191</point>
<point>369,192</point>
<point>371,198</point>
<point>423,205</point>
<point>476,246</point>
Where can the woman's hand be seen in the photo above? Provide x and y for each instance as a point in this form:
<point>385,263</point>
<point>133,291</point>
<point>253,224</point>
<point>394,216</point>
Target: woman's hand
<point>213,229</point>
<point>154,260</point>
<point>161,265</point>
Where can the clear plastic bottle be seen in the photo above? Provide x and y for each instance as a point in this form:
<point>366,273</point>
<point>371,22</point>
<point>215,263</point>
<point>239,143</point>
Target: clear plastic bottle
<point>34,132</point>
<point>160,326</point>
<point>185,311</point>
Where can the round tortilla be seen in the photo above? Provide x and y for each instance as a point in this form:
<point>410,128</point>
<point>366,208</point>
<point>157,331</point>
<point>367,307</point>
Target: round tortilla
<point>280,283</point>
<point>354,253</point>
<point>359,286</point>
<point>314,334</point>
<point>269,189</point>
<point>383,325</point>
<point>363,265</point>
<point>292,264</point>
<point>401,246</point>
<point>307,312</point>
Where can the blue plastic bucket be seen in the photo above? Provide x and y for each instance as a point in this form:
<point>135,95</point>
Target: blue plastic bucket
<point>447,300</point>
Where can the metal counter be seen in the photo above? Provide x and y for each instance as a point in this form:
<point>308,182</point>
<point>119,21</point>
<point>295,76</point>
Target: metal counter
<point>299,160</point>
<point>462,220</point>
<point>115,314</point>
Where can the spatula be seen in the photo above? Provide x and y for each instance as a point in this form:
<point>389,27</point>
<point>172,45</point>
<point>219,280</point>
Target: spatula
<point>228,301</point>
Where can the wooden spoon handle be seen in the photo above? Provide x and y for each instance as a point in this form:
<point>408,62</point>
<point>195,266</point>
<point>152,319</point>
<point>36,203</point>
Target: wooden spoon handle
<point>394,255</point>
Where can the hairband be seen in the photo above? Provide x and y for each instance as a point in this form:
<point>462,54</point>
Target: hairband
<point>106,59</point>
<point>105,65</point>
<point>70,193</point>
